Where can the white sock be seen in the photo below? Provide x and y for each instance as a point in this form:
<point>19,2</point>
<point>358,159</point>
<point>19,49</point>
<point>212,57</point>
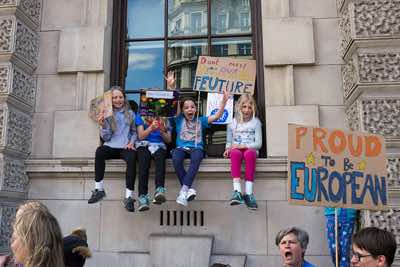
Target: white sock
<point>184,188</point>
<point>236,185</point>
<point>99,185</point>
<point>249,187</point>
<point>128,193</point>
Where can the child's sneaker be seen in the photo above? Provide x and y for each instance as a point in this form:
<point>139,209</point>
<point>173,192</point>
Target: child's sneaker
<point>96,196</point>
<point>250,201</point>
<point>159,195</point>
<point>182,198</point>
<point>129,204</point>
<point>144,202</point>
<point>237,198</point>
<point>191,194</point>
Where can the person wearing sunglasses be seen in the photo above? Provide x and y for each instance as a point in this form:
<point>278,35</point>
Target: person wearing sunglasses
<point>373,247</point>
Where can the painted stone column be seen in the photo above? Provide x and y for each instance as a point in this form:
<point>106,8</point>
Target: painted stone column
<point>370,47</point>
<point>19,48</point>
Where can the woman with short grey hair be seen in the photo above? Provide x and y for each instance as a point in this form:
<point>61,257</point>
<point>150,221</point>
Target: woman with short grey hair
<point>292,243</point>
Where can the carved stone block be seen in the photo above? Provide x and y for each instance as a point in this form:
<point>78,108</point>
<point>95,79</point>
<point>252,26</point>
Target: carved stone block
<point>31,8</point>
<point>14,81</point>
<point>363,19</point>
<point>6,34</point>
<point>353,117</point>
<point>16,129</point>
<point>381,116</point>
<point>27,44</point>
<point>12,174</point>
<point>370,67</point>
<point>7,215</point>
<point>393,169</point>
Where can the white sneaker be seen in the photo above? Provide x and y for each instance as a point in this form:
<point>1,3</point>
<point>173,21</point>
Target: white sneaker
<point>191,194</point>
<point>182,198</point>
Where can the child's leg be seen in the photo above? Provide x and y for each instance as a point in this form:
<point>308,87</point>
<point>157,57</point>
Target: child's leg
<point>102,154</point>
<point>129,156</point>
<point>144,158</point>
<point>346,232</point>
<point>250,156</point>
<point>178,155</point>
<point>330,230</point>
<point>159,158</point>
<point>196,156</point>
<point>236,163</point>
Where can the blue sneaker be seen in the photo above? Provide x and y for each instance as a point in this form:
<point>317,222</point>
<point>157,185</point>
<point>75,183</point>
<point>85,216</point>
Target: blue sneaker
<point>250,201</point>
<point>159,195</point>
<point>144,202</point>
<point>237,198</point>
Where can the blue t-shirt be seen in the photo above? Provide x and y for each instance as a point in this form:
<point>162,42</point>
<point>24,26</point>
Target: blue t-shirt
<point>190,133</point>
<point>154,136</point>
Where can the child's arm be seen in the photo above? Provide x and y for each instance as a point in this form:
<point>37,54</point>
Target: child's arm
<point>143,133</point>
<point>229,136</point>
<point>166,134</point>
<point>220,111</point>
<point>105,129</point>
<point>257,138</point>
<point>132,133</point>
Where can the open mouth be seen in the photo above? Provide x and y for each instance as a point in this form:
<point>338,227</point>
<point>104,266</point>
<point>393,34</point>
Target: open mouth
<point>288,255</point>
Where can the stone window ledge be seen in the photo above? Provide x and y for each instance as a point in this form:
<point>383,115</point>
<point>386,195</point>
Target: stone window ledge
<point>273,167</point>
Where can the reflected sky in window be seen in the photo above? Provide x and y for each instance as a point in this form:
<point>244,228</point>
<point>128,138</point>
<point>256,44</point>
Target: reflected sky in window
<point>145,18</point>
<point>145,65</point>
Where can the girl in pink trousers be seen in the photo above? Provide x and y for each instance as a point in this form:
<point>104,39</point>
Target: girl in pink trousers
<point>243,140</point>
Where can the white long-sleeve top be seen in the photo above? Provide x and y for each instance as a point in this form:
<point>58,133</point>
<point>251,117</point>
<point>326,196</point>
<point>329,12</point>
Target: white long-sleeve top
<point>246,133</point>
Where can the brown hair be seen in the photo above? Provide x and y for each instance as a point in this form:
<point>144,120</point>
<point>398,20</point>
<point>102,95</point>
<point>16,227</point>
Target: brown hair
<point>238,106</point>
<point>39,232</point>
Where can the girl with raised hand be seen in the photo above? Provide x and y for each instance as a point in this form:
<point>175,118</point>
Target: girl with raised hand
<point>243,140</point>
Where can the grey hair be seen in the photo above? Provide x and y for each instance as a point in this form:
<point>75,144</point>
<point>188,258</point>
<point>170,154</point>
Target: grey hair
<point>302,236</point>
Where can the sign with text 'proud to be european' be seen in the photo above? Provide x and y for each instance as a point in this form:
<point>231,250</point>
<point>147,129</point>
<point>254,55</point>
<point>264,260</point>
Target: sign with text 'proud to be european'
<point>215,74</point>
<point>336,168</point>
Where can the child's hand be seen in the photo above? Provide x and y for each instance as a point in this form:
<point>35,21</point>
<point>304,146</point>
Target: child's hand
<point>4,259</point>
<point>100,119</point>
<point>130,146</point>
<point>226,96</point>
<point>171,81</point>
<point>227,153</point>
<point>154,125</point>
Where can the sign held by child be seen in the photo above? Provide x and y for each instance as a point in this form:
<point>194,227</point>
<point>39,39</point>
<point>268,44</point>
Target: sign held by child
<point>336,168</point>
<point>101,104</point>
<point>215,74</point>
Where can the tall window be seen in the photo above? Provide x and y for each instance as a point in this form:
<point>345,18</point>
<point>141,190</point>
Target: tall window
<point>156,36</point>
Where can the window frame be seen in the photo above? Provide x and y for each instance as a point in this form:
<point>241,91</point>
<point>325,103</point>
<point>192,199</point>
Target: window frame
<point>119,40</point>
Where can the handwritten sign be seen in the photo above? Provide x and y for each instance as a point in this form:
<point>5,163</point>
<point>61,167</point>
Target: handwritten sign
<point>336,168</point>
<point>101,104</point>
<point>157,103</point>
<point>215,74</point>
<point>213,103</point>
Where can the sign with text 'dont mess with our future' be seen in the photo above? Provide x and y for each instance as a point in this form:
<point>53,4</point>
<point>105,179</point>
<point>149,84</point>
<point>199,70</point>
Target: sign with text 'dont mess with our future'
<point>215,74</point>
<point>336,168</point>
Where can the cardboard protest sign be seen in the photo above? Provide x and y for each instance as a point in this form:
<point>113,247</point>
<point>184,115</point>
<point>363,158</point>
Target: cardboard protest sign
<point>213,103</point>
<point>158,103</point>
<point>214,74</point>
<point>101,104</point>
<point>336,168</point>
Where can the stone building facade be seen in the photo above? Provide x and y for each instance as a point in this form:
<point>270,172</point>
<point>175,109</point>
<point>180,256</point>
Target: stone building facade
<point>328,63</point>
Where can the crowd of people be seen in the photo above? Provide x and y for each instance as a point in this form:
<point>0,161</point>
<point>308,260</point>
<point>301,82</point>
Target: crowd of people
<point>37,238</point>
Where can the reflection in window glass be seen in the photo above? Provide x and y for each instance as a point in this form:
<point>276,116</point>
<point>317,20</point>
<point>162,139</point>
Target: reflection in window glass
<point>187,17</point>
<point>185,61</point>
<point>144,66</point>
<point>229,17</point>
<point>233,47</point>
<point>145,18</point>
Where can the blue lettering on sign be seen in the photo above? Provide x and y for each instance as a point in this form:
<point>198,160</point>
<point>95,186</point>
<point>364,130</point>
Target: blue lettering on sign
<point>318,184</point>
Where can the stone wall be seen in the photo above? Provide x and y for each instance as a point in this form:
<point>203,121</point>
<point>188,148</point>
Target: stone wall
<point>19,48</point>
<point>370,47</point>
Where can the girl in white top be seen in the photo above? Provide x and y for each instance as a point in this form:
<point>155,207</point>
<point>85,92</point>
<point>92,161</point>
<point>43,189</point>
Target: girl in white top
<point>244,139</point>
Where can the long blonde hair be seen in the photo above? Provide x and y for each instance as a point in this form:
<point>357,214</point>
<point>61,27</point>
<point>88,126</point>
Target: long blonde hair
<point>128,113</point>
<point>39,232</point>
<point>238,106</point>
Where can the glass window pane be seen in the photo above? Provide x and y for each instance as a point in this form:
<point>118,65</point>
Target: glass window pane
<point>232,47</point>
<point>230,16</point>
<point>187,17</point>
<point>182,58</point>
<point>145,18</point>
<point>145,62</point>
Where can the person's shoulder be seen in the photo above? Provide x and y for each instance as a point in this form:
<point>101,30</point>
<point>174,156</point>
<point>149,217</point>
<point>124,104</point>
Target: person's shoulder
<point>308,264</point>
<point>257,120</point>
